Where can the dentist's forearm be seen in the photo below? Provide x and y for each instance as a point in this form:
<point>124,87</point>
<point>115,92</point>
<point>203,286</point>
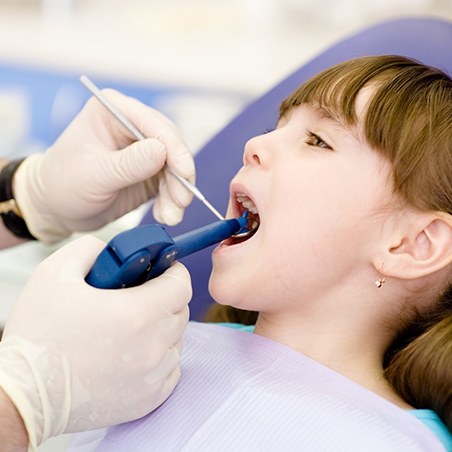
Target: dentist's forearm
<point>7,238</point>
<point>13,436</point>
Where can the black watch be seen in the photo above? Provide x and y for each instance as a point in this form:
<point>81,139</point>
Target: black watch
<point>9,210</point>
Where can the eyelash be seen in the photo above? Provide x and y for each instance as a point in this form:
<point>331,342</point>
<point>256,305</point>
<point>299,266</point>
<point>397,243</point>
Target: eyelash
<point>313,140</point>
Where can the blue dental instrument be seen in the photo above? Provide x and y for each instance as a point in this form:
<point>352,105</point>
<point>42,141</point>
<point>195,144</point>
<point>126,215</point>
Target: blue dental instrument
<point>145,252</point>
<point>95,91</point>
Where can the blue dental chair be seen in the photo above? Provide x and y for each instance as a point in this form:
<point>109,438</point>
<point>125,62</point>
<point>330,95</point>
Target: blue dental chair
<point>428,40</point>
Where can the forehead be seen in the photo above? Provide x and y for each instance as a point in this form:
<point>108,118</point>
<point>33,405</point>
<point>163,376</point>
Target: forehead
<point>331,115</point>
<point>313,113</point>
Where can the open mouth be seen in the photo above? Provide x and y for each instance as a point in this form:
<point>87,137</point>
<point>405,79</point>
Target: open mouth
<point>245,203</point>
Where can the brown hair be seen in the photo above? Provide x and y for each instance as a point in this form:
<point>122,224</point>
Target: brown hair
<point>408,120</point>
<point>420,370</point>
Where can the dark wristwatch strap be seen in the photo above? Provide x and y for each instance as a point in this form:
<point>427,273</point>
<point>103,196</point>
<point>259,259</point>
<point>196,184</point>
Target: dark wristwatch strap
<point>9,211</point>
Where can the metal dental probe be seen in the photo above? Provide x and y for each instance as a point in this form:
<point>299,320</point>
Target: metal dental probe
<point>95,91</point>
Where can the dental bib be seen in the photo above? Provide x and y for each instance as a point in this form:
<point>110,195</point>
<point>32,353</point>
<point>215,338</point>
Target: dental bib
<point>243,392</point>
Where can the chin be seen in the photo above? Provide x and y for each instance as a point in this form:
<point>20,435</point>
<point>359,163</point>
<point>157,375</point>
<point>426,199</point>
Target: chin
<point>217,290</point>
<point>235,295</point>
<point>223,292</point>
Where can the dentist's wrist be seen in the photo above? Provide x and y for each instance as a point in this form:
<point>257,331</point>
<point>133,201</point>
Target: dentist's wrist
<point>13,434</point>
<point>31,191</point>
<point>9,210</point>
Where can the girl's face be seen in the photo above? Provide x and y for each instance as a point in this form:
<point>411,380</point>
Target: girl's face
<point>319,190</point>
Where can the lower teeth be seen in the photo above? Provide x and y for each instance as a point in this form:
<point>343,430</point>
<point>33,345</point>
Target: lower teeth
<point>253,226</point>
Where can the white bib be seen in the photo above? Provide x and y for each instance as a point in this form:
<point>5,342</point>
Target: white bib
<point>243,392</point>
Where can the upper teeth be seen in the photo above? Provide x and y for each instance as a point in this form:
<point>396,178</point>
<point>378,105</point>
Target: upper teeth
<point>246,202</point>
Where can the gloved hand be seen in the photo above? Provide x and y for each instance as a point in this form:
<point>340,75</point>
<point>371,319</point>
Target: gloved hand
<point>83,182</point>
<point>75,358</point>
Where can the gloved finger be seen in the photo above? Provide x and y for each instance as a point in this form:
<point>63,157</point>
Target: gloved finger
<point>171,201</point>
<point>158,371</point>
<point>135,163</point>
<point>168,386</point>
<point>174,285</point>
<point>164,209</point>
<point>74,260</point>
<point>163,213</point>
<point>176,191</point>
<point>179,157</point>
<point>172,327</point>
<point>179,345</point>
<point>160,298</point>
<point>154,124</point>
<point>130,107</point>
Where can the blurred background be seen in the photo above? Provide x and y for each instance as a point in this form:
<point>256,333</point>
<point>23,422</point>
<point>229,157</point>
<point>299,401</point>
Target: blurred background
<point>198,61</point>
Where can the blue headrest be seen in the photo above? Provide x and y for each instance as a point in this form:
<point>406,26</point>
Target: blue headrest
<point>428,40</point>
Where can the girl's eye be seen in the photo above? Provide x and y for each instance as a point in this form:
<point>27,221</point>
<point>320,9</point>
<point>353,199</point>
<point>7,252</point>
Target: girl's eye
<point>316,140</point>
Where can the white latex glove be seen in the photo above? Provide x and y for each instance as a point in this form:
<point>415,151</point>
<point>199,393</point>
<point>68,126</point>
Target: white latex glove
<point>83,182</point>
<point>76,358</point>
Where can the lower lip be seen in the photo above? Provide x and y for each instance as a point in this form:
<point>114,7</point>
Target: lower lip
<point>223,247</point>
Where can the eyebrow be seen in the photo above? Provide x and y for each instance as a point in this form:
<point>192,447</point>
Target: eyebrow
<point>325,114</point>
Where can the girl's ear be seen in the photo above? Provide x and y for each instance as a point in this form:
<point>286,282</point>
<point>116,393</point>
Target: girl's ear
<point>421,247</point>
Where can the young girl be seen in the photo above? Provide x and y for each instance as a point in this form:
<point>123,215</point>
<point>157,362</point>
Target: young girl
<point>350,271</point>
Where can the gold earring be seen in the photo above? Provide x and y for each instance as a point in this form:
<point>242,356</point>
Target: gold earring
<point>381,280</point>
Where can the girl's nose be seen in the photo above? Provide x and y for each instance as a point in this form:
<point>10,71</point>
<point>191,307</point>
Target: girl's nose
<point>256,151</point>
